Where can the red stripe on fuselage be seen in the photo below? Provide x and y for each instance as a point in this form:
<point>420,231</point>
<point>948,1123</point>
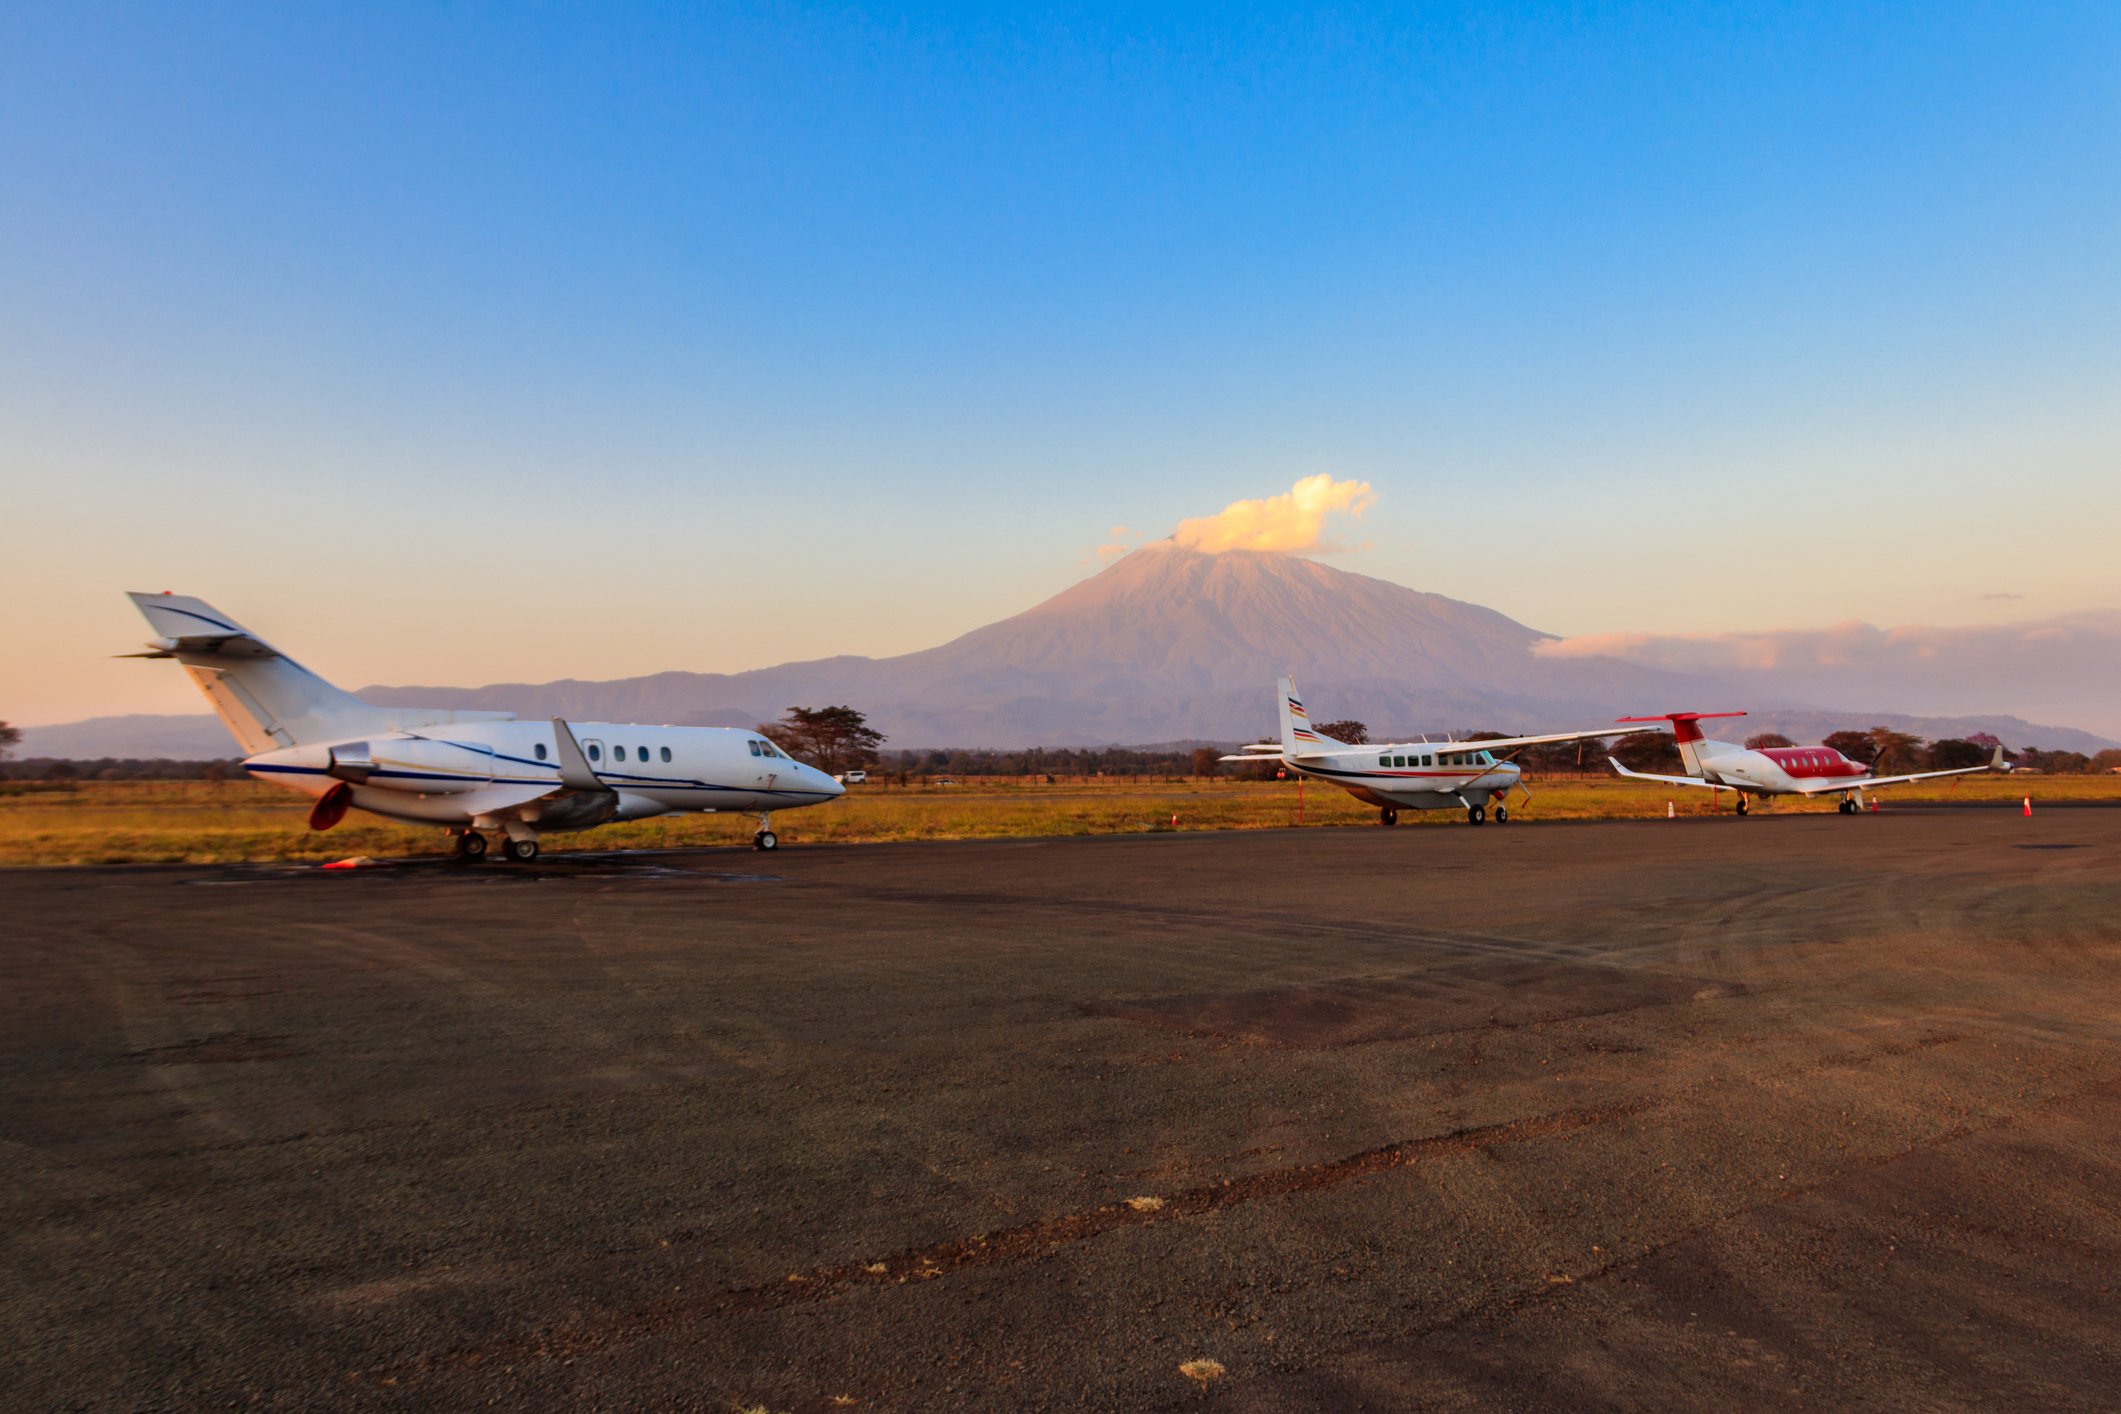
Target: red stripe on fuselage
<point>1813,762</point>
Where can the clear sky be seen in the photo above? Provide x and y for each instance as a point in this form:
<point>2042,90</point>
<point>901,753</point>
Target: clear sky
<point>477,342</point>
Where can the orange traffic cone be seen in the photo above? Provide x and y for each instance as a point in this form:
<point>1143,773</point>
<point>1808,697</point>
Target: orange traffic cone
<point>1669,812</point>
<point>2028,807</point>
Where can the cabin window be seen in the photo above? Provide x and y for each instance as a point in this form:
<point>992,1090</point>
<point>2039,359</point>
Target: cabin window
<point>596,753</point>
<point>666,753</point>
<point>540,749</point>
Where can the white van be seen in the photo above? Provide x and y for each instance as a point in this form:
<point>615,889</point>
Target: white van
<point>854,778</point>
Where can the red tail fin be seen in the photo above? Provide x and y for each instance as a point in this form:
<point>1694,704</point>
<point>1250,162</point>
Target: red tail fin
<point>1683,723</point>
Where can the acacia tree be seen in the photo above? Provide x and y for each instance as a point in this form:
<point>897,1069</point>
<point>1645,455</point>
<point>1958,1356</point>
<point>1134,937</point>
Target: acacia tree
<point>1765,739</point>
<point>1857,746</point>
<point>1206,760</point>
<point>9,738</point>
<point>833,739</point>
<point>1955,754</point>
<point>1353,733</point>
<point>1893,747</point>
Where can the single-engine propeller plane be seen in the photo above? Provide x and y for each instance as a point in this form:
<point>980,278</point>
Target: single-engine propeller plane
<point>1428,775</point>
<point>1777,770</point>
<point>468,772</point>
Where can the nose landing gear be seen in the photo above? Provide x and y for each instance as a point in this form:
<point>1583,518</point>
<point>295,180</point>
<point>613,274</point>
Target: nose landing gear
<point>765,838</point>
<point>1744,806</point>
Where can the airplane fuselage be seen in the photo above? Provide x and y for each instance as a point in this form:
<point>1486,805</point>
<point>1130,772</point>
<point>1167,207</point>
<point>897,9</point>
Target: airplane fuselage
<point>468,772</point>
<point>1428,776</point>
<point>1777,770</point>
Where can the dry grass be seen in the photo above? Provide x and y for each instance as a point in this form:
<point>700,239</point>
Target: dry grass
<point>134,822</point>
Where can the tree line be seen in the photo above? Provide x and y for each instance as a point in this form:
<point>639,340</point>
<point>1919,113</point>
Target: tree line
<point>838,739</point>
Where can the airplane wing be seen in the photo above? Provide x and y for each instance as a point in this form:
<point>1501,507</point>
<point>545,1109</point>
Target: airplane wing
<point>575,771</point>
<point>1516,743</point>
<point>1995,763</point>
<point>1668,780</point>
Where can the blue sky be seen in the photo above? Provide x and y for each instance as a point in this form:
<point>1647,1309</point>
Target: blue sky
<point>489,342</point>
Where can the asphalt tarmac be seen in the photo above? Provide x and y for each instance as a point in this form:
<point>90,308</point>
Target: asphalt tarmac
<point>1805,1110</point>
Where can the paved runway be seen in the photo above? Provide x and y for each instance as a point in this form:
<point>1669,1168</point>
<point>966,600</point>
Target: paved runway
<point>1807,1109</point>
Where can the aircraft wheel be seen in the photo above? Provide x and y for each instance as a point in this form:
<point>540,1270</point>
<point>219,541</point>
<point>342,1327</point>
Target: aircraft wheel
<point>1476,814</point>
<point>520,851</point>
<point>1387,816</point>
<point>471,845</point>
<point>1847,807</point>
<point>765,839</point>
<point>1502,814</point>
<point>1744,807</point>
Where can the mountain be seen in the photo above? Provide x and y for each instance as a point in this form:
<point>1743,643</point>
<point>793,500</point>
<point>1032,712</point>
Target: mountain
<point>142,737</point>
<point>1168,645</point>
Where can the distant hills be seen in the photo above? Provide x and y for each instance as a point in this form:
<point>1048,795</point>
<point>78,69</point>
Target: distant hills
<point>1165,645</point>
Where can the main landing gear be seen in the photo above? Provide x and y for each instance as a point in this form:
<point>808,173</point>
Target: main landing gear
<point>1386,815</point>
<point>1847,806</point>
<point>517,849</point>
<point>765,838</point>
<point>1478,815</point>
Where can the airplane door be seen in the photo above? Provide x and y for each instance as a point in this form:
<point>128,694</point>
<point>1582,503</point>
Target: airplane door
<point>599,761</point>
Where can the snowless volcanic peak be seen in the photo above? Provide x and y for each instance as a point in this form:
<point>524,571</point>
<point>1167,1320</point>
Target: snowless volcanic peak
<point>1238,617</point>
<point>1166,644</point>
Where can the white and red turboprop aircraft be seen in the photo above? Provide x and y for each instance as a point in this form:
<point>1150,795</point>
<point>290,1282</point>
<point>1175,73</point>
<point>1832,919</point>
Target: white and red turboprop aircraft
<point>464,771</point>
<point>1428,775</point>
<point>1776,770</point>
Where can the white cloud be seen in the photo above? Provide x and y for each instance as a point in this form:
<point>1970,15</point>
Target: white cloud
<point>1292,523</point>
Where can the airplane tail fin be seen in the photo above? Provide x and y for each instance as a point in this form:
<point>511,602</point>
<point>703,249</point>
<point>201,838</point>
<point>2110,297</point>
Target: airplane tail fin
<point>1686,731</point>
<point>266,699</point>
<point>1297,733</point>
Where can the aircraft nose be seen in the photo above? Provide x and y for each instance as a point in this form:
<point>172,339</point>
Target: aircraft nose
<point>832,788</point>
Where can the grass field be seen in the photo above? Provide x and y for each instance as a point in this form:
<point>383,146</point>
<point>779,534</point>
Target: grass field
<point>200,822</point>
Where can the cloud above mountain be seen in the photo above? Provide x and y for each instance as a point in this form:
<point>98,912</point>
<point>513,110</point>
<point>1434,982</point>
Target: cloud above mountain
<point>1292,523</point>
<point>2067,667</point>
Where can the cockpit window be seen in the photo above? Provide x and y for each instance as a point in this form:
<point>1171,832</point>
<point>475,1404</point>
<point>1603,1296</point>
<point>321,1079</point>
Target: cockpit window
<point>754,748</point>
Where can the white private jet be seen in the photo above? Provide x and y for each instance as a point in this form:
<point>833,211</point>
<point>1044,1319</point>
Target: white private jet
<point>1777,770</point>
<point>466,771</point>
<point>1409,776</point>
